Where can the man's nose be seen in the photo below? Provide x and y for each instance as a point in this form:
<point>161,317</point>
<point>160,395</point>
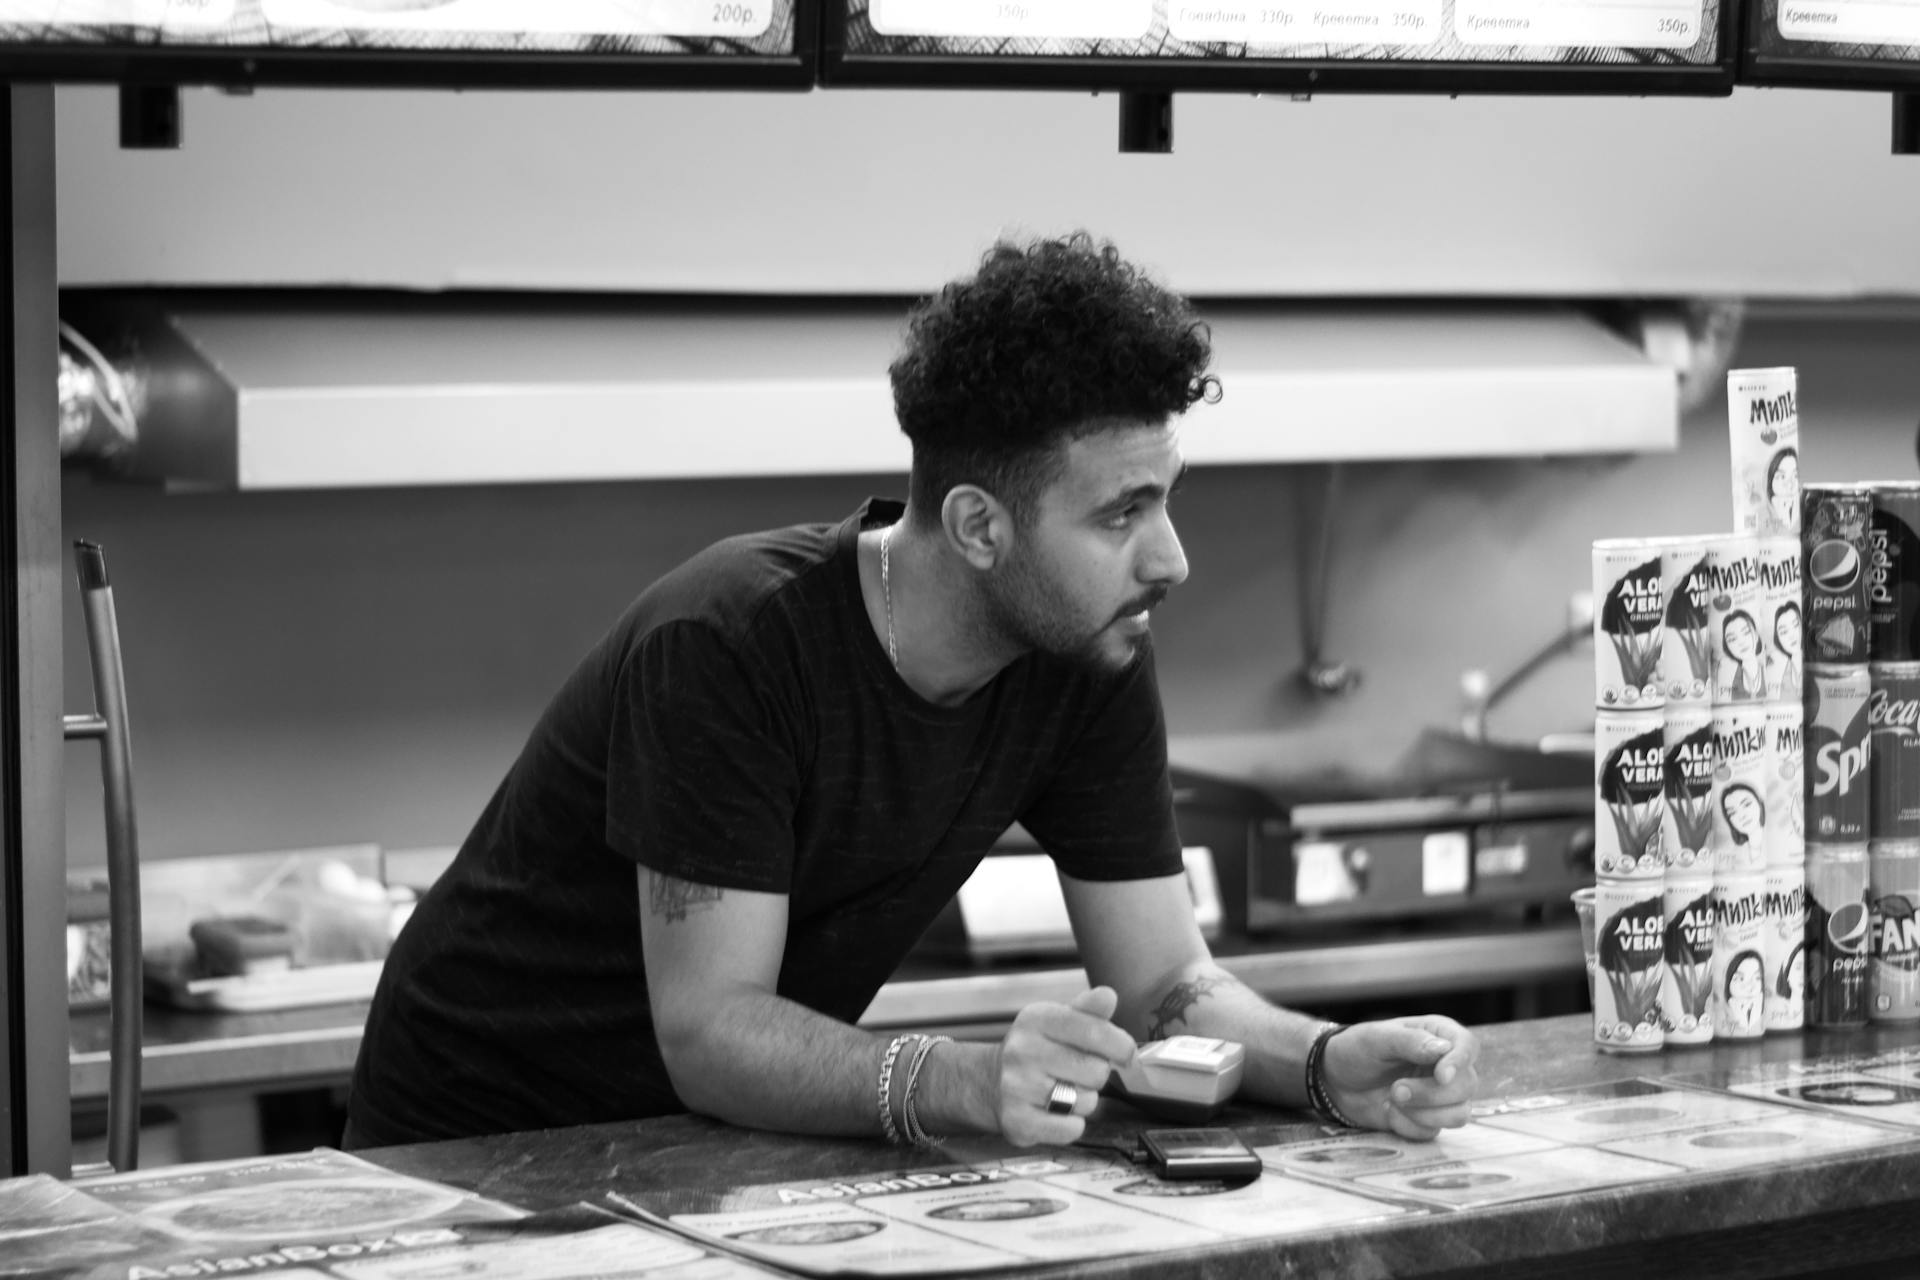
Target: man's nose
<point>1166,561</point>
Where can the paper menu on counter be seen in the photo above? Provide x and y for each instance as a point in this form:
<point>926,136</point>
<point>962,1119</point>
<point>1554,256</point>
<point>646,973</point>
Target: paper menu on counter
<point>49,1228</point>
<point>1881,1088</point>
<point>1060,1207</point>
<point>321,1194</point>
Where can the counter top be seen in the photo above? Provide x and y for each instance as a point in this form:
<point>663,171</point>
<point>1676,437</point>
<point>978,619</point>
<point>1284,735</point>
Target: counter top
<point>1819,1215</point>
<point>191,1051</point>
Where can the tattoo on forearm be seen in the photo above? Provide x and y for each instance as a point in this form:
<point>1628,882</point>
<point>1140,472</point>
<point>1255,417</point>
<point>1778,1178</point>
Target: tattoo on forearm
<point>673,900</point>
<point>1180,1000</point>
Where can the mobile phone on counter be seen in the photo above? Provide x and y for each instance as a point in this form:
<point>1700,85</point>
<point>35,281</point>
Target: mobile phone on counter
<point>1178,1154</point>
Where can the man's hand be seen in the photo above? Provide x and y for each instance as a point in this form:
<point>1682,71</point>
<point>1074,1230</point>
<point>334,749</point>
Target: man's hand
<point>1410,1076</point>
<point>1048,1044</point>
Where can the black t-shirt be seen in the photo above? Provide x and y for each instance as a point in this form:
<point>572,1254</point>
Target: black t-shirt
<point>740,726</point>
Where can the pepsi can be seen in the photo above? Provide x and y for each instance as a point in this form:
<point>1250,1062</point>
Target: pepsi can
<point>1838,924</point>
<point>1834,574</point>
<point>1837,747</point>
<point>1893,573</point>
<point>1893,726</point>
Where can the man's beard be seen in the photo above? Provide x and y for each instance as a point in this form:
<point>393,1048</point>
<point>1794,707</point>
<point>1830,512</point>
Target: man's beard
<point>1023,610</point>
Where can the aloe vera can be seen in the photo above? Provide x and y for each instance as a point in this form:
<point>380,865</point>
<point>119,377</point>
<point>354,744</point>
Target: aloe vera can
<point>1686,988</point>
<point>1630,808</point>
<point>1686,647</point>
<point>1629,619</point>
<point>1687,733</point>
<point>1630,965</point>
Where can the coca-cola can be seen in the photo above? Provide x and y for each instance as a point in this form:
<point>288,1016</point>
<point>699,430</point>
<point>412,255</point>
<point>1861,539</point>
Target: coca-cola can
<point>1839,920</point>
<point>1834,577</point>
<point>1763,424</point>
<point>1629,767</point>
<point>1786,793</point>
<point>1893,573</point>
<point>1837,748</point>
<point>1784,945</point>
<point>1629,620</point>
<point>1893,981</point>
<point>1686,648</point>
<point>1690,789</point>
<point>1740,755</point>
<point>1629,965</point>
<point>1739,956</point>
<point>1780,620</point>
<point>1733,617</point>
<point>1686,992</point>
<point>1893,724</point>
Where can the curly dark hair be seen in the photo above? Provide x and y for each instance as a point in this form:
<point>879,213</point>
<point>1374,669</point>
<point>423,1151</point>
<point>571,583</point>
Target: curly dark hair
<point>1047,342</point>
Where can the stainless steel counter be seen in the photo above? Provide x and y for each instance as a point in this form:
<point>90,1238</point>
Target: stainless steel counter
<point>187,1053</point>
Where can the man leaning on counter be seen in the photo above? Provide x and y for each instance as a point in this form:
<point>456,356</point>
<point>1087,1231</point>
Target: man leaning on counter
<point>753,795</point>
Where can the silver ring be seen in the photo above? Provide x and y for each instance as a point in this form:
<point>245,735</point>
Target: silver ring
<point>1060,1101</point>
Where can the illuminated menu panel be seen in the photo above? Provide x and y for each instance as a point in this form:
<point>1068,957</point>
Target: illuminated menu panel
<point>1620,24</point>
<point>1284,22</point>
<point>1015,19</point>
<point>550,17</point>
<point>1851,21</point>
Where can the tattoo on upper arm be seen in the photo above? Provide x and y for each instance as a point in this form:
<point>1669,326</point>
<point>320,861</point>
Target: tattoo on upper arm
<point>673,899</point>
<point>1181,1000</point>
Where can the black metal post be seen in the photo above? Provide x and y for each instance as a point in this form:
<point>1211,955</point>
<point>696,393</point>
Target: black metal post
<point>1906,124</point>
<point>1146,122</point>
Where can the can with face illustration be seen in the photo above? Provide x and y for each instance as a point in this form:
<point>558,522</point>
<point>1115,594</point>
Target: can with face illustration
<point>1834,572</point>
<point>1629,965</point>
<point>1893,977</point>
<point>1628,622</point>
<point>1893,759</point>
<point>1786,793</point>
<point>1691,789</point>
<point>1893,572</point>
<point>1686,990</point>
<point>1629,808</point>
<point>1733,621</point>
<point>1686,647</point>
<point>1783,945</point>
<point>1740,755</point>
<point>1763,430</point>
<point>1781,629</point>
<point>1739,956</point>
<point>1836,755</point>
<point>1838,924</point>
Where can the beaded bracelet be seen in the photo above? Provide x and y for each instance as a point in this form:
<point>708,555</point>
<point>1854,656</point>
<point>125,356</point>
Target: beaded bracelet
<point>1318,1097</point>
<point>916,1134</point>
<point>886,1089</point>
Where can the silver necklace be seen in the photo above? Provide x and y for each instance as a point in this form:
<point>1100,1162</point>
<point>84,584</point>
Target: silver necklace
<point>886,594</point>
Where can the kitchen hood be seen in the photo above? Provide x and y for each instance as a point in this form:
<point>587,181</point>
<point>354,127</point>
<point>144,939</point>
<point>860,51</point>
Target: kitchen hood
<point>340,390</point>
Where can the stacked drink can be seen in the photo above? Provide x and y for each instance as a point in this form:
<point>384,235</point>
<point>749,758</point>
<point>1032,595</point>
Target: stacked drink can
<point>1892,565</point>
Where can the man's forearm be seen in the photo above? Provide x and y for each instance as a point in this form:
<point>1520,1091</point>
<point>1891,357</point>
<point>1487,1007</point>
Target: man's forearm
<point>1205,1000</point>
<point>765,1062</point>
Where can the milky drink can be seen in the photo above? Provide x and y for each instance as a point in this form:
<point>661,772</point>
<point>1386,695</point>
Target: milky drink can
<point>1834,573</point>
<point>1781,629</point>
<point>1628,621</point>
<point>1739,956</point>
<point>1786,793</point>
<point>1629,765</point>
<point>1733,619</point>
<point>1630,965</point>
<point>1893,760</point>
<point>1740,757</point>
<point>1686,991</point>
<point>1893,978</point>
<point>1836,755</point>
<point>1783,945</point>
<point>1893,572</point>
<point>1690,789</point>
<point>1686,645</point>
<point>1763,430</point>
<point>1838,923</point>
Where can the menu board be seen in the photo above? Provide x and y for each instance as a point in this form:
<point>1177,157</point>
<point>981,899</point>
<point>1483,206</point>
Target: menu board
<point>572,43</point>
<point>1863,44</point>
<point>1456,46</point>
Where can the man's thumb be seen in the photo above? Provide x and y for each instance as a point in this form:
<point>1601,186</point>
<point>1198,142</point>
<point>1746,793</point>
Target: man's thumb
<point>1098,1001</point>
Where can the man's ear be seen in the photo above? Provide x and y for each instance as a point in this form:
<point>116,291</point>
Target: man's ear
<point>977,525</point>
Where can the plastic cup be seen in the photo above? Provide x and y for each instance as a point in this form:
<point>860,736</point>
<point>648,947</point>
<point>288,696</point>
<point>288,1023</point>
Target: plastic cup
<point>1583,907</point>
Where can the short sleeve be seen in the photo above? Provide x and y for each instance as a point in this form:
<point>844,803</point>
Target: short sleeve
<point>701,775</point>
<point>1107,813</point>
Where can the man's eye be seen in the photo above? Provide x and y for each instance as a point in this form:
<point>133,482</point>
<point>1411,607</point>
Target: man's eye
<point>1121,519</point>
